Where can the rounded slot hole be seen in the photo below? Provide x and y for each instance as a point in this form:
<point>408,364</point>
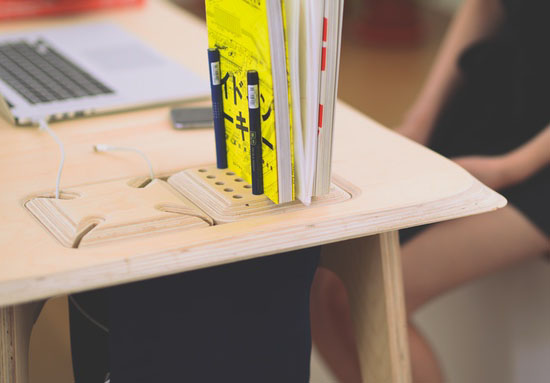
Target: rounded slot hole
<point>237,196</point>
<point>247,186</point>
<point>62,195</point>
<point>139,182</point>
<point>210,177</point>
<point>85,227</point>
<point>239,180</point>
<point>67,195</point>
<point>220,183</point>
<point>230,173</point>
<point>202,170</point>
<point>145,183</point>
<point>229,190</point>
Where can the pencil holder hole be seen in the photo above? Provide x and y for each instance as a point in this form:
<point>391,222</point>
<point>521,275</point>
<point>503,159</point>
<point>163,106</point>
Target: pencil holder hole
<point>220,183</point>
<point>202,170</point>
<point>234,201</point>
<point>210,177</point>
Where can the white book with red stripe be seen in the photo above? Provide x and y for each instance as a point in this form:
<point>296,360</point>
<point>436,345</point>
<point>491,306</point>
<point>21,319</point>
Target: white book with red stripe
<point>313,36</point>
<point>330,62</point>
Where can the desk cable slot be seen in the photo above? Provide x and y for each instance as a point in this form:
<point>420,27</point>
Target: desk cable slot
<point>43,124</point>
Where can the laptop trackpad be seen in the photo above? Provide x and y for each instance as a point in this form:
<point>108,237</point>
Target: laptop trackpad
<point>123,56</point>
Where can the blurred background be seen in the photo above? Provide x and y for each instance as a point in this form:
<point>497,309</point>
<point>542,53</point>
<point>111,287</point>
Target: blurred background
<point>496,329</point>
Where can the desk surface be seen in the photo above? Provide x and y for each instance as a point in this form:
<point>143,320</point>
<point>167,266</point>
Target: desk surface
<point>401,184</point>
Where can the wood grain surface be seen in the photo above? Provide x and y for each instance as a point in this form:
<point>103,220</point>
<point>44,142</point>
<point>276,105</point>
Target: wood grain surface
<point>107,211</point>
<point>370,268</point>
<point>225,198</point>
<point>400,183</point>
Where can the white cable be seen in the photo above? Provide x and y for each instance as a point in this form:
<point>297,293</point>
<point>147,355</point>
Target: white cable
<point>109,148</point>
<point>86,315</point>
<point>44,126</point>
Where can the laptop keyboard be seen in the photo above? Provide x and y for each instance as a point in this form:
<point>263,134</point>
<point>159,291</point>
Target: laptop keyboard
<point>41,74</point>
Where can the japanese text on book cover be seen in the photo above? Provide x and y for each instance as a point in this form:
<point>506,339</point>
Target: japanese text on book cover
<point>239,29</point>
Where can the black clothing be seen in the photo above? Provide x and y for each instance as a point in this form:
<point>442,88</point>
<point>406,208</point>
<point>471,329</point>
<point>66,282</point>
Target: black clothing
<point>242,322</point>
<point>504,101</point>
<point>89,342</point>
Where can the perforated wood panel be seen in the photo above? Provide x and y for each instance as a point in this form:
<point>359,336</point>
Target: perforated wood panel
<point>226,198</point>
<point>198,197</point>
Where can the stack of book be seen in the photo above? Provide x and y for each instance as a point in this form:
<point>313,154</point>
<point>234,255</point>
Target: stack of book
<point>277,132</point>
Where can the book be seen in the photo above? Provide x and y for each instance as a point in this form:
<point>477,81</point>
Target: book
<point>250,36</point>
<point>330,65</point>
<point>314,48</point>
<point>295,47</point>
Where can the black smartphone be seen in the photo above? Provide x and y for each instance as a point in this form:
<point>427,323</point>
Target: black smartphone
<point>192,118</point>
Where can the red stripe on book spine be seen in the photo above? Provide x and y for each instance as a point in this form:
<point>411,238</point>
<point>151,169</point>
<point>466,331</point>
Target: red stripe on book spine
<point>325,29</point>
<point>324,59</point>
<point>320,116</point>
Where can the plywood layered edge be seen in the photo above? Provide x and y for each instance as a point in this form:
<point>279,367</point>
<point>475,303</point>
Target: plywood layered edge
<point>370,268</point>
<point>16,324</point>
<point>98,213</point>
<point>245,241</point>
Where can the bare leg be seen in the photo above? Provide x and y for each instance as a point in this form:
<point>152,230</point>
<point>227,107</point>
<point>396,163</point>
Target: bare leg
<point>359,318</point>
<point>452,253</point>
<point>425,366</point>
<point>441,258</point>
<point>333,334</point>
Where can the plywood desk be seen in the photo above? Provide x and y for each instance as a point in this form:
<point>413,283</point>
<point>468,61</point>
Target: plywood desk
<point>394,182</point>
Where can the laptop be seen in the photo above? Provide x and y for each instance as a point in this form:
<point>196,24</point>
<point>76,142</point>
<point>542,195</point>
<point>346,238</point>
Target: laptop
<point>86,69</point>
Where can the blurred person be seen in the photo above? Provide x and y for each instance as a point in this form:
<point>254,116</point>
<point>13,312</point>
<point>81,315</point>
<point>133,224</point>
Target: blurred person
<point>485,104</point>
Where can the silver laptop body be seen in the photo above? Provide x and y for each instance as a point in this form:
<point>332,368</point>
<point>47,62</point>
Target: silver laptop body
<point>85,69</point>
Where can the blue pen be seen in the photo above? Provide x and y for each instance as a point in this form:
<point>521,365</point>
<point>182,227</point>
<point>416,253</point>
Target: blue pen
<point>217,107</point>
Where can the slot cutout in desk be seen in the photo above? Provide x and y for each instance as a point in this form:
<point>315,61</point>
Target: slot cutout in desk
<point>199,197</point>
<point>112,210</point>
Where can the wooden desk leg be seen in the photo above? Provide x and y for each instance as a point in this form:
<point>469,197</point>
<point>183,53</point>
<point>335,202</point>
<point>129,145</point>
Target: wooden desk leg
<point>370,268</point>
<point>16,324</point>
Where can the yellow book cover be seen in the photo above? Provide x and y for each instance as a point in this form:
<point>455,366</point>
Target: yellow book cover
<point>239,29</point>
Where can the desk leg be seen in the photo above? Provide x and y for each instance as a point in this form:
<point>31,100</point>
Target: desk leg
<point>370,268</point>
<point>16,324</point>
